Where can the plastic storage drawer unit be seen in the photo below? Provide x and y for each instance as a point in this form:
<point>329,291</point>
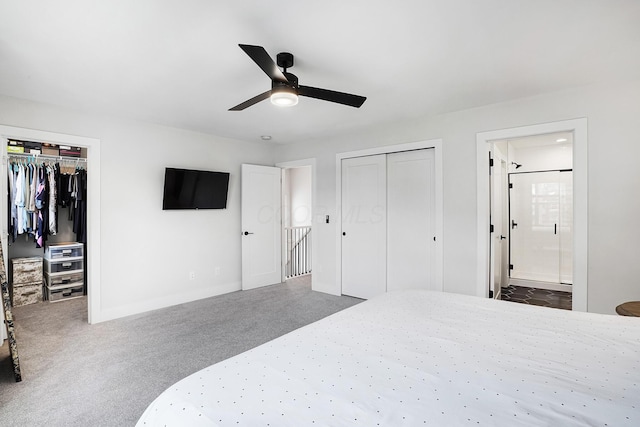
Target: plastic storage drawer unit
<point>64,271</point>
<point>65,293</point>
<point>63,265</point>
<point>64,250</point>
<point>64,279</point>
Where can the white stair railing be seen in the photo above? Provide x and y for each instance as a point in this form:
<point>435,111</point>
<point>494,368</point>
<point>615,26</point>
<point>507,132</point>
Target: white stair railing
<point>298,251</point>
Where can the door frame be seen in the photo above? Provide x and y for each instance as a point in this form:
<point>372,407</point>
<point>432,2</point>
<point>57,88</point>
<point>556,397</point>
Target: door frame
<point>498,161</point>
<point>93,203</point>
<point>580,201</point>
<point>436,144</point>
<point>292,165</point>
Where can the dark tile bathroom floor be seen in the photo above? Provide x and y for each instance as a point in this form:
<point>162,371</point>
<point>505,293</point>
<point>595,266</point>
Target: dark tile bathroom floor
<point>534,296</point>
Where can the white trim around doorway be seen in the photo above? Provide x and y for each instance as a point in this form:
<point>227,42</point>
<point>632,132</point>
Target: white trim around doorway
<point>580,206</point>
<point>93,207</point>
<point>314,250</point>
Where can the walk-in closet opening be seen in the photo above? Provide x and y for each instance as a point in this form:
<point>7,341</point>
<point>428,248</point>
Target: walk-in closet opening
<point>46,226</point>
<point>531,192</point>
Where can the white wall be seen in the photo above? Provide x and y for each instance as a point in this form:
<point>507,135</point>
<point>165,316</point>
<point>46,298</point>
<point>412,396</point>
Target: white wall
<point>546,157</point>
<point>147,253</point>
<point>300,180</point>
<point>614,181</point>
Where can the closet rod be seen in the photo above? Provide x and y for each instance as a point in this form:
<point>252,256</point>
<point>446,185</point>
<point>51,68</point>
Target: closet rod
<point>23,156</point>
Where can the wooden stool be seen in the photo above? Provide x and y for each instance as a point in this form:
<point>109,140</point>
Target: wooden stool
<point>631,308</point>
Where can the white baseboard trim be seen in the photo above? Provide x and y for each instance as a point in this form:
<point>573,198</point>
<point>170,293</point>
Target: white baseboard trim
<point>164,302</point>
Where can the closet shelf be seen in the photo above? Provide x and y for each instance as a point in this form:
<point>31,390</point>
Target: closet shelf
<point>23,156</point>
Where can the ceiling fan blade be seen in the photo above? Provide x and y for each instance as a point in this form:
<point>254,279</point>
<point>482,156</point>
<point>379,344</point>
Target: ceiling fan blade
<point>264,61</point>
<point>250,102</point>
<point>331,95</point>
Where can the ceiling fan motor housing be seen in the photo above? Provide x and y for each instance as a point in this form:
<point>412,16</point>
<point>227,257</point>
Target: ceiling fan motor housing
<point>292,83</point>
<point>284,60</point>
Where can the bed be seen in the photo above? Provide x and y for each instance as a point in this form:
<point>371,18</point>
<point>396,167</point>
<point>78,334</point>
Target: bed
<point>424,358</point>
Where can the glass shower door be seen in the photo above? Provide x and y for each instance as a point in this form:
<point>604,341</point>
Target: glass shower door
<point>541,226</point>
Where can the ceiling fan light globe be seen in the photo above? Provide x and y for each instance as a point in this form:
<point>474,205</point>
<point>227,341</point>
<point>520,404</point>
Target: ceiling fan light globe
<point>284,99</point>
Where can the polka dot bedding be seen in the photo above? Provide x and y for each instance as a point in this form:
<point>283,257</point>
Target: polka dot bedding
<point>423,358</point>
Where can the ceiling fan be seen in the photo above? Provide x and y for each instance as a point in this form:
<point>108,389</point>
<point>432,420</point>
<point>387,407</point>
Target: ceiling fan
<point>284,85</point>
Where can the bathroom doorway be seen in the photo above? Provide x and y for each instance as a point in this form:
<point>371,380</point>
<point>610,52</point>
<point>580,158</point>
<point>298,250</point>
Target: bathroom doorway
<point>533,240</point>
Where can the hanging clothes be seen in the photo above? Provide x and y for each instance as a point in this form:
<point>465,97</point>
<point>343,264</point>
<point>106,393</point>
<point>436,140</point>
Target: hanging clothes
<point>41,204</point>
<point>13,212</point>
<point>19,199</point>
<point>64,195</point>
<point>52,205</point>
<point>33,183</point>
<point>35,191</point>
<point>80,206</point>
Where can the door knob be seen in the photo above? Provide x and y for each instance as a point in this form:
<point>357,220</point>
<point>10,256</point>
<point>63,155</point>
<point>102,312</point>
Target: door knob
<point>246,233</point>
<point>502,237</point>
<point>514,224</point>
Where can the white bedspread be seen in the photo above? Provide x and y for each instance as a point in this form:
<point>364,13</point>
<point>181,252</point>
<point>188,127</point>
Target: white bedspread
<point>424,358</point>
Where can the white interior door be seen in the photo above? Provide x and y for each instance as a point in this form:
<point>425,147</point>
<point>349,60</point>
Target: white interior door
<point>261,226</point>
<point>411,220</point>
<point>535,243</point>
<point>498,237</point>
<point>364,206</point>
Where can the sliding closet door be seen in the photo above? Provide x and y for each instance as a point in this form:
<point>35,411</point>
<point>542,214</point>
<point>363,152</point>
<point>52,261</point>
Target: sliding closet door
<point>411,220</point>
<point>364,226</point>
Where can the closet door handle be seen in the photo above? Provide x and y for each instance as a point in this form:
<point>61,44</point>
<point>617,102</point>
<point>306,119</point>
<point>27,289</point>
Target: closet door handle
<point>246,233</point>
<point>555,228</point>
<point>514,224</point>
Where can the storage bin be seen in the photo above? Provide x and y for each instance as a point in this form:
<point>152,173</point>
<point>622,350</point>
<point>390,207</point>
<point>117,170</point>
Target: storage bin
<point>26,270</point>
<point>63,265</point>
<point>26,280</point>
<point>15,149</point>
<point>61,279</point>
<point>68,151</point>
<point>50,150</point>
<point>63,250</point>
<point>32,147</point>
<point>64,293</point>
<point>26,294</point>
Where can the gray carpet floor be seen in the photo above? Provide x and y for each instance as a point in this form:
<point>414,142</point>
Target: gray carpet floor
<point>76,374</point>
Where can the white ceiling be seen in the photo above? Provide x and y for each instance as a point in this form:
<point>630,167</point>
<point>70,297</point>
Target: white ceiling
<point>178,62</point>
<point>558,138</point>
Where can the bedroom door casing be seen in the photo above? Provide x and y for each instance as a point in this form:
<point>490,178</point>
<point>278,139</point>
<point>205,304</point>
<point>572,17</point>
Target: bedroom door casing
<point>261,226</point>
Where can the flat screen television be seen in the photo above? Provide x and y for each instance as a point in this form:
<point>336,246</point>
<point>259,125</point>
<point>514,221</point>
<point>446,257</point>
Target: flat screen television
<point>194,189</point>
